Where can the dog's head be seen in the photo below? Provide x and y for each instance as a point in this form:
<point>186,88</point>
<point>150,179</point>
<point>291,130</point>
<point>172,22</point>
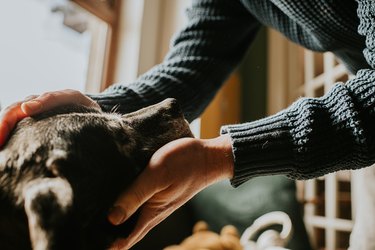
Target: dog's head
<point>61,171</point>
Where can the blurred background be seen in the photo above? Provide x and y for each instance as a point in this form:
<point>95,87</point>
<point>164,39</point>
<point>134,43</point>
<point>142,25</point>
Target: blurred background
<point>87,45</point>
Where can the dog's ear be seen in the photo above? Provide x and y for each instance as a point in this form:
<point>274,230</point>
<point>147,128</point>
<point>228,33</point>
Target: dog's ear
<point>164,119</point>
<point>48,206</point>
<point>168,107</point>
<point>155,126</point>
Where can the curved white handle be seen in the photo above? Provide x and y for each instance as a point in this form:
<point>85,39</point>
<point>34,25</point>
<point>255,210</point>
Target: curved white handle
<point>266,220</point>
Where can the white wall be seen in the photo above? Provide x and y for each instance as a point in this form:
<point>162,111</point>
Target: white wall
<point>37,53</point>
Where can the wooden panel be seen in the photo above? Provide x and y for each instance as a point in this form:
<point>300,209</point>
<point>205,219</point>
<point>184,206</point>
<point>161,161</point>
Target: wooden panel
<point>109,12</point>
<point>112,49</point>
<point>105,10</point>
<point>224,109</point>
<point>285,72</point>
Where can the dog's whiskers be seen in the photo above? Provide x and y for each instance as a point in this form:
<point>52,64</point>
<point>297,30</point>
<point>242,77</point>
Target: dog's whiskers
<point>115,108</point>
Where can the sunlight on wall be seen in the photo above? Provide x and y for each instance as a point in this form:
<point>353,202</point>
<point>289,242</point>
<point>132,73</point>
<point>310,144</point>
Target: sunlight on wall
<point>38,53</point>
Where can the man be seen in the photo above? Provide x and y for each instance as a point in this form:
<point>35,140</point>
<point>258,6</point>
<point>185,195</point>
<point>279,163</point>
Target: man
<point>310,138</point>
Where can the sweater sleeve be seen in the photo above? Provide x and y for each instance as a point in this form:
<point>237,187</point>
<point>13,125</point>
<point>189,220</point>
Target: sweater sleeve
<point>314,136</point>
<point>201,57</point>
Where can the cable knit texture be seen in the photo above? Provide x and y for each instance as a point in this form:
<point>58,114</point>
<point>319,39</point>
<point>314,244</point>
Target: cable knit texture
<point>314,136</point>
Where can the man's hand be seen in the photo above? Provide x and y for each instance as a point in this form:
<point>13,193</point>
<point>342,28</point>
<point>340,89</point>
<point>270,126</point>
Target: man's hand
<point>175,173</point>
<point>37,104</point>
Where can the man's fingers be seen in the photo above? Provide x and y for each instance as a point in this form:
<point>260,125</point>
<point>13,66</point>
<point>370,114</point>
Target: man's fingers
<point>130,200</point>
<point>50,100</point>
<point>4,131</point>
<point>35,104</point>
<point>8,119</point>
<point>150,216</point>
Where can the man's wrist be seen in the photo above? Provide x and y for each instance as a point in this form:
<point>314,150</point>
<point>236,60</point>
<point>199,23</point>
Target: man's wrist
<point>220,156</point>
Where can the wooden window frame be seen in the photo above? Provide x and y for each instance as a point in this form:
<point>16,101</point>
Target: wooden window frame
<point>101,68</point>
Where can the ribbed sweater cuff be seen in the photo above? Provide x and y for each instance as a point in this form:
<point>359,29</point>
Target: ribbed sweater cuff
<point>263,147</point>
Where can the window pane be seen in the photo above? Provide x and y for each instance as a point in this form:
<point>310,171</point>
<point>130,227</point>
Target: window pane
<point>44,46</point>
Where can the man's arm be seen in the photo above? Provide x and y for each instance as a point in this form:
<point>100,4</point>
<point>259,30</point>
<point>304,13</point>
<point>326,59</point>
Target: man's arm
<point>314,136</point>
<point>201,57</point>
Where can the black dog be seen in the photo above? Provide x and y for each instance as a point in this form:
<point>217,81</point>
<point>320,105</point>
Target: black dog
<point>61,171</point>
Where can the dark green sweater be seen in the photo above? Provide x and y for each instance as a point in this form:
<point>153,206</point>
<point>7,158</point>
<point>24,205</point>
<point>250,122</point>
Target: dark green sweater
<point>312,137</point>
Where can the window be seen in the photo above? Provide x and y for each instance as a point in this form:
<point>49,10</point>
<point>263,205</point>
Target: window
<point>49,45</point>
<point>327,201</point>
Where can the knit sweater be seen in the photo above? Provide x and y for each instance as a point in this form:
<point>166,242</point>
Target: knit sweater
<point>312,137</point>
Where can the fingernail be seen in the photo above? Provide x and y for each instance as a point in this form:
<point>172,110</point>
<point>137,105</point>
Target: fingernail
<point>31,107</point>
<point>116,215</point>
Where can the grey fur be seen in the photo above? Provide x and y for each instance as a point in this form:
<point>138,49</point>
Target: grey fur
<point>61,171</point>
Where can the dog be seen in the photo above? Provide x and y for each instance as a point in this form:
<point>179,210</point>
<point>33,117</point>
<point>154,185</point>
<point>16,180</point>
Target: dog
<point>61,171</point>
